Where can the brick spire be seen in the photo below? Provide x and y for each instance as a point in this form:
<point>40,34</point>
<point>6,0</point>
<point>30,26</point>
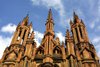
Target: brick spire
<point>68,33</point>
<point>49,24</point>
<point>50,15</point>
<point>76,19</point>
<point>25,21</point>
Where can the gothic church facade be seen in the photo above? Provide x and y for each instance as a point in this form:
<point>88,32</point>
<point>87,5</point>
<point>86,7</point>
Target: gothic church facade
<point>22,52</point>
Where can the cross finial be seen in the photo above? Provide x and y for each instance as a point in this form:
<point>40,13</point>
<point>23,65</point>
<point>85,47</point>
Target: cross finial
<point>73,10</point>
<point>28,13</point>
<point>50,7</point>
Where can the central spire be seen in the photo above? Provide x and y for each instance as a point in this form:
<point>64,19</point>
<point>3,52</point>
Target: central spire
<point>49,24</point>
<point>50,15</point>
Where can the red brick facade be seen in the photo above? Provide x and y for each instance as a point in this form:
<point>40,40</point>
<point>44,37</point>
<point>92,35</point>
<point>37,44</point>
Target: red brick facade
<point>22,51</point>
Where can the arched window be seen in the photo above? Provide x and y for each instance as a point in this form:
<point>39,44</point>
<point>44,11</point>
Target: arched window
<point>57,50</point>
<point>40,51</point>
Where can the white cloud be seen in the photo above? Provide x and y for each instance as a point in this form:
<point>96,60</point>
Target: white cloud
<point>92,25</point>
<point>38,37</point>
<point>96,40</point>
<point>97,29</point>
<point>96,43</point>
<point>10,28</point>
<point>4,42</point>
<point>60,36</point>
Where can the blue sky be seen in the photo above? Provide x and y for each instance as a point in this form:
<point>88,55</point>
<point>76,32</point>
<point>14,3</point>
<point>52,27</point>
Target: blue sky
<point>13,11</point>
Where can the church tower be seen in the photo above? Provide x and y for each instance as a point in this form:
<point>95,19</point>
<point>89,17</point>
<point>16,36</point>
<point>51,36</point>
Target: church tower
<point>76,51</point>
<point>85,52</point>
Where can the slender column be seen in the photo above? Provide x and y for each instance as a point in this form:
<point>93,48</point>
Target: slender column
<point>83,32</point>
<point>47,46</point>
<point>25,38</point>
<point>25,62</point>
<point>67,63</point>
<point>16,37</point>
<point>63,52</point>
<point>74,34</point>
<point>71,58</point>
<point>13,37</point>
<point>34,51</point>
<point>86,35</point>
<point>19,56</point>
<point>72,48</point>
<point>68,48</point>
<point>21,36</point>
<point>50,46</point>
<point>30,50</point>
<point>78,33</point>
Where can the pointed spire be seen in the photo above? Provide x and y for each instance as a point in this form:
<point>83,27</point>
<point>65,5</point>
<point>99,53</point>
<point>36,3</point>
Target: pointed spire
<point>19,24</point>
<point>82,22</point>
<point>75,18</point>
<point>31,24</point>
<point>62,43</point>
<point>32,35</point>
<point>25,21</point>
<point>68,33</point>
<point>71,22</point>
<point>50,15</point>
<point>27,18</point>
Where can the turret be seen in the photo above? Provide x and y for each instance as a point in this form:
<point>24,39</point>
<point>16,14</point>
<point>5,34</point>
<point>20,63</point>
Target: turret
<point>78,29</point>
<point>76,19</point>
<point>49,24</point>
<point>25,21</point>
<point>30,26</point>
<point>70,48</point>
<point>22,32</point>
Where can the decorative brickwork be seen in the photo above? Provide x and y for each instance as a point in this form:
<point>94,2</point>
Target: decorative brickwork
<point>22,51</point>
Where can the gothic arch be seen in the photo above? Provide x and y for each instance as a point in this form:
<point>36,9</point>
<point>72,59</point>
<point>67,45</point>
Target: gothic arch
<point>40,50</point>
<point>92,54</point>
<point>12,54</point>
<point>57,50</point>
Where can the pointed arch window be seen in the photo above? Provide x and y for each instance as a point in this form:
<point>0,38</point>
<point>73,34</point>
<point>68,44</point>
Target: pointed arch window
<point>49,25</point>
<point>81,32</point>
